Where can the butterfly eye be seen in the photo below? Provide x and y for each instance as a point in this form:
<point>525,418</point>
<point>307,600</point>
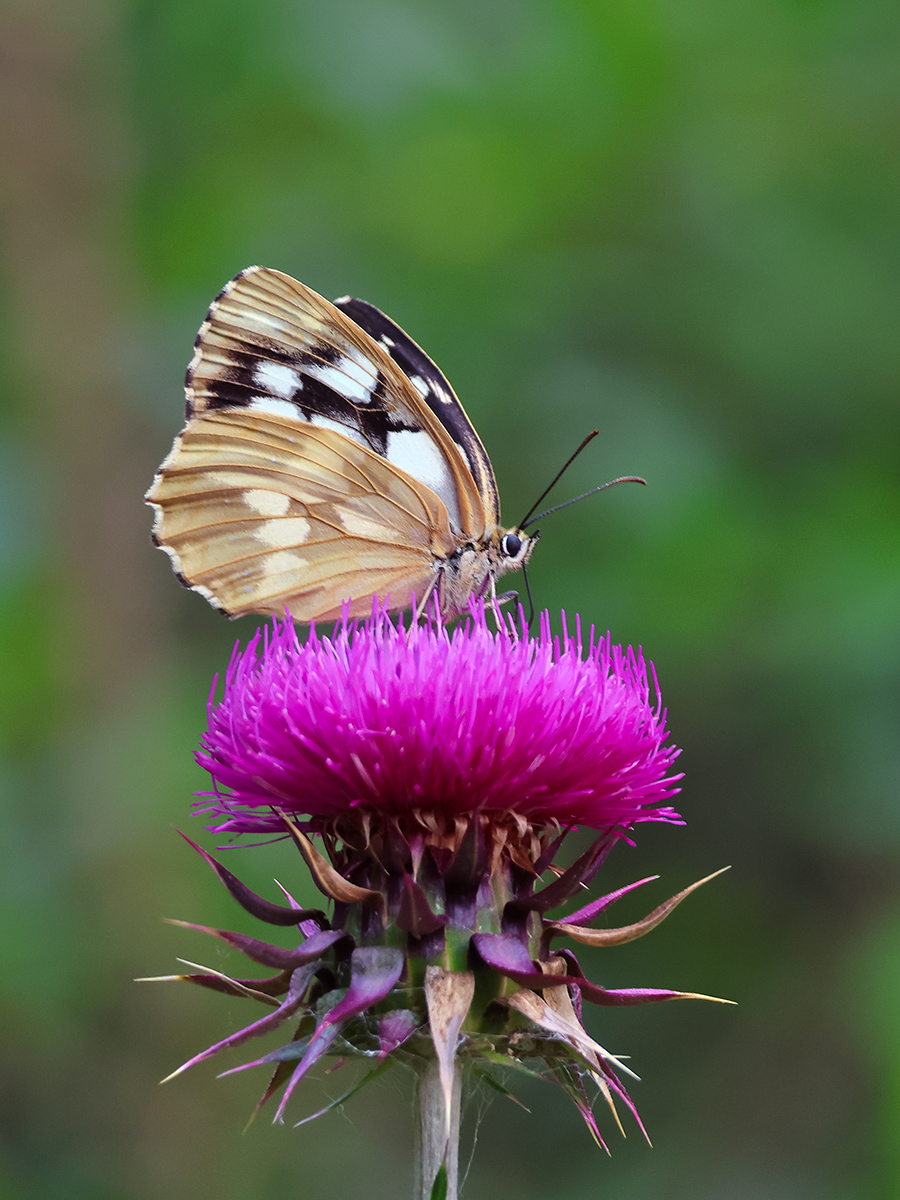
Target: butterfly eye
<point>511,545</point>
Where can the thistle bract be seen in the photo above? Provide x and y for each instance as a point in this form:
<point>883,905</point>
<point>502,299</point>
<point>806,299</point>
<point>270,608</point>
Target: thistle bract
<point>429,778</point>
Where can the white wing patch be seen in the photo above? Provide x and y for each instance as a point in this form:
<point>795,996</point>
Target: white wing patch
<point>287,408</point>
<point>350,376</point>
<point>277,408</point>
<point>284,532</point>
<point>281,562</point>
<point>424,386</point>
<point>266,503</point>
<point>275,377</point>
<point>348,431</point>
<point>413,451</point>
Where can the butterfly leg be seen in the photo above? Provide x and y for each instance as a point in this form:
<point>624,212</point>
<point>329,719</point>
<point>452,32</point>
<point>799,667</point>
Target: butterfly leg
<point>422,606</point>
<point>489,587</point>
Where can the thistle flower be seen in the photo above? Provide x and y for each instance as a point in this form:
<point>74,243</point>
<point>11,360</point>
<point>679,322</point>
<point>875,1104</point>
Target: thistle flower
<point>440,771</point>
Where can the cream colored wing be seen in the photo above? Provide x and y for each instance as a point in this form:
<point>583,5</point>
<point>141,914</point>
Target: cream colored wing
<point>273,344</point>
<point>263,514</point>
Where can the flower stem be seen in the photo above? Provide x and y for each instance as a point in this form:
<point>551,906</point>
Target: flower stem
<point>434,1148</point>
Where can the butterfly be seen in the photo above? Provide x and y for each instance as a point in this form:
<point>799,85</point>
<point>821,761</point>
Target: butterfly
<point>325,461</point>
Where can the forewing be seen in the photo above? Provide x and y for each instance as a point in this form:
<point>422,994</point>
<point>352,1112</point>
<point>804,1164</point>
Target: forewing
<point>272,345</point>
<point>433,387</point>
<point>263,513</point>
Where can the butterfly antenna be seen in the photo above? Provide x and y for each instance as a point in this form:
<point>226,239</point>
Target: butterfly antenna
<point>584,495</point>
<point>547,490</point>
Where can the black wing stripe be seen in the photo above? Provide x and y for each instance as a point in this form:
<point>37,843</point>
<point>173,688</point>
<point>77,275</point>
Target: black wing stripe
<point>434,388</point>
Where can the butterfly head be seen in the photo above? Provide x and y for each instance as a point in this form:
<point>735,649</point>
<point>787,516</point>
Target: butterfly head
<point>514,549</point>
<point>511,551</point>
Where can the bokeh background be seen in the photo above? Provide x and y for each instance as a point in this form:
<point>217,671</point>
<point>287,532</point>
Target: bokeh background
<point>675,220</point>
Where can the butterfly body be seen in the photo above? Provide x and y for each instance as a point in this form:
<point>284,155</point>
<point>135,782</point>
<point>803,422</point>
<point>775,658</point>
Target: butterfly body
<point>325,461</point>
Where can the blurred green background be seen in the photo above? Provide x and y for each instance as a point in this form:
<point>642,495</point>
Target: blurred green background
<point>674,220</point>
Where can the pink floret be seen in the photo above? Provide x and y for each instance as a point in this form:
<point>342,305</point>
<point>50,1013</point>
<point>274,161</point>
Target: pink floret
<point>451,722</point>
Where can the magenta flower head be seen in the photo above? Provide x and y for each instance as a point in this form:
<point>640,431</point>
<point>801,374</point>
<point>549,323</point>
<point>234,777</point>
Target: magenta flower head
<point>426,730</point>
<point>429,779</point>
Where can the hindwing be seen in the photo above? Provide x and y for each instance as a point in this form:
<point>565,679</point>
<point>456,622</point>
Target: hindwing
<point>262,516</point>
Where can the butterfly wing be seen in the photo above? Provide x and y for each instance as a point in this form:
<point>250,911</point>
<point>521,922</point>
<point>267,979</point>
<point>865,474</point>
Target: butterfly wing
<point>273,345</point>
<point>325,460</point>
<point>435,390</point>
<point>261,513</point>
